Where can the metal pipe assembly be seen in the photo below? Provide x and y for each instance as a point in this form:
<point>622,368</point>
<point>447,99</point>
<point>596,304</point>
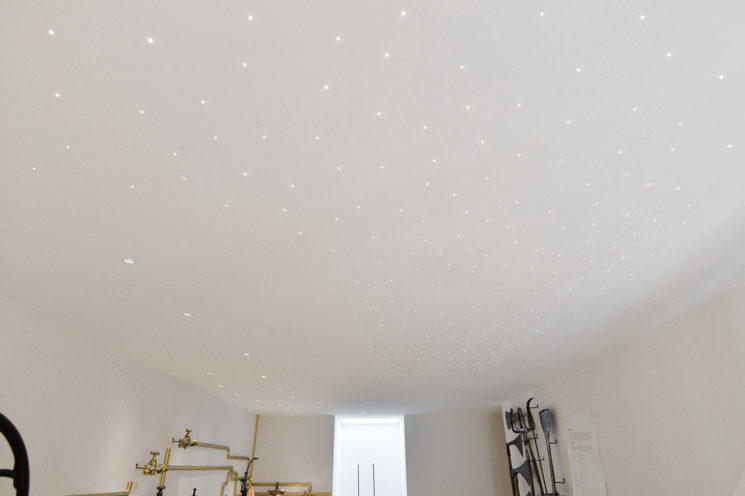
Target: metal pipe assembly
<point>120,493</point>
<point>253,450</point>
<point>152,468</point>
<point>187,441</point>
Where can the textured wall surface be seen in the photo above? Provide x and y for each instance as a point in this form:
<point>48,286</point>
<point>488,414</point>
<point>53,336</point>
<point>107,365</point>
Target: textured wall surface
<point>667,407</point>
<point>88,415</point>
<point>449,454</point>
<point>295,449</point>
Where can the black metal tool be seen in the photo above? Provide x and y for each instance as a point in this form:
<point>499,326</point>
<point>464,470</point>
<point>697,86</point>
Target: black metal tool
<point>545,416</point>
<point>534,437</point>
<point>518,443</point>
<point>244,479</point>
<point>515,425</point>
<point>194,493</point>
<point>20,471</point>
<point>534,461</point>
<point>160,490</point>
<point>525,471</point>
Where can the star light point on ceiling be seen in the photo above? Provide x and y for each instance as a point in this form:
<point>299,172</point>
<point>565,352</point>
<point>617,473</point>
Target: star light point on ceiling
<point>150,40</point>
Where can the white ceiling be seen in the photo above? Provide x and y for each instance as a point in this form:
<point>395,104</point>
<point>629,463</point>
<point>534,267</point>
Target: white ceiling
<point>392,206</point>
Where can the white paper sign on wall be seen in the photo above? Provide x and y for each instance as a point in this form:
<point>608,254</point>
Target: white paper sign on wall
<point>588,476</point>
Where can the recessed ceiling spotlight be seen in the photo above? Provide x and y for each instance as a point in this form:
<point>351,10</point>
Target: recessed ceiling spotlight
<point>669,54</point>
<point>541,14</point>
<point>188,314</point>
<point>263,377</point>
<point>247,354</point>
<point>51,32</point>
<point>720,77</point>
<point>56,95</point>
<point>150,40</point>
<point>209,373</point>
<point>129,261</point>
<point>338,38</point>
<point>220,385</point>
<point>250,17</point>
<point>386,55</point>
<point>641,17</point>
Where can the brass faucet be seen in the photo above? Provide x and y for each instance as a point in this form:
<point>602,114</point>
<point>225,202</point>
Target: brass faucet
<point>152,466</point>
<point>185,441</point>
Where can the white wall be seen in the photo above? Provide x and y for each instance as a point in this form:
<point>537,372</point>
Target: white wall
<point>295,449</point>
<point>449,454</point>
<point>87,415</point>
<point>668,407</point>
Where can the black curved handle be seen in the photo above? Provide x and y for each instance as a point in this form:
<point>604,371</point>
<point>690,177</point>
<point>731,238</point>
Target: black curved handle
<point>20,473</point>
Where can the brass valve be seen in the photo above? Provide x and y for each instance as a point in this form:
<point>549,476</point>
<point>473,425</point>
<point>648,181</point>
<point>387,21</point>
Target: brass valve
<point>186,441</point>
<point>152,466</point>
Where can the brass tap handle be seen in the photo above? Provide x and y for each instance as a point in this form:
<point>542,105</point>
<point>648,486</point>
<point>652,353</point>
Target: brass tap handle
<point>151,468</point>
<point>185,441</point>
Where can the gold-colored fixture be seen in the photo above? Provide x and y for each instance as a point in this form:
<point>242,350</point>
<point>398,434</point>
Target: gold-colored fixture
<point>120,493</point>
<point>187,441</point>
<point>153,468</point>
<point>307,485</point>
<point>253,450</point>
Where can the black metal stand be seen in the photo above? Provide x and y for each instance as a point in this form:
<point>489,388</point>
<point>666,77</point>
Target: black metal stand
<point>20,471</point>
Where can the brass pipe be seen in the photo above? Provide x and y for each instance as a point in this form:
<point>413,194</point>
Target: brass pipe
<point>122,493</point>
<point>220,447</point>
<point>187,442</point>
<point>286,484</point>
<point>265,493</point>
<point>182,468</point>
<point>253,450</point>
<point>165,467</point>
